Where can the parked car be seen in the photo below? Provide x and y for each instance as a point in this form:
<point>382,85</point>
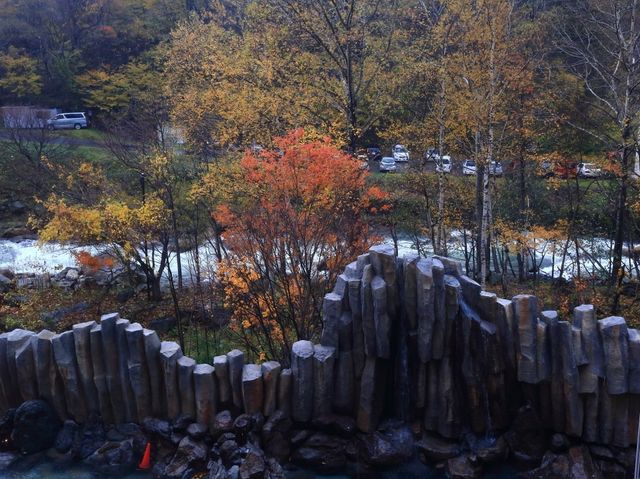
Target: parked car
<point>588,170</point>
<point>74,120</point>
<point>400,153</point>
<point>469,167</point>
<point>387,164</point>
<point>444,165</point>
<point>495,169</point>
<point>374,153</point>
<point>432,154</point>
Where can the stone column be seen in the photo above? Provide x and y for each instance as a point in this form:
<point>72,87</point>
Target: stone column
<point>129,403</point>
<point>6,389</point>
<point>15,341</point>
<point>252,388</point>
<point>584,318</point>
<point>26,369</point>
<point>138,370</point>
<point>526,311</point>
<point>100,374</point>
<point>170,352</point>
<point>368,324</point>
<point>236,363</point>
<point>221,365</point>
<point>439,301</point>
<point>205,394</point>
<point>383,260</point>
<point>425,291</point>
<point>65,357</point>
<point>331,312</point>
<point>270,375</point>
<point>355,304</point>
<point>634,361</point>
<point>82,344</point>
<point>574,409</point>
<point>372,390</point>
<point>284,391</point>
<point>152,346</point>
<point>323,379</point>
<point>111,363</point>
<point>615,340</point>
<point>381,317</point>
<point>49,382</point>
<point>557,375</point>
<point>186,366</point>
<point>302,371</point>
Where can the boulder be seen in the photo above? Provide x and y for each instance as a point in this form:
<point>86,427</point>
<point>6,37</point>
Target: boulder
<point>66,436</point>
<point>436,449</point>
<point>222,423</point>
<point>90,437</point>
<point>275,436</point>
<point>392,444</point>
<point>343,426</point>
<point>322,452</point>
<point>35,427</point>
<point>463,467</point>
<point>575,464</point>
<point>253,465</point>
<point>189,457</point>
<point>113,458</point>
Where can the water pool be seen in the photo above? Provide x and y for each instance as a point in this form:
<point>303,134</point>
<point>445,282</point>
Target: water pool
<point>48,470</point>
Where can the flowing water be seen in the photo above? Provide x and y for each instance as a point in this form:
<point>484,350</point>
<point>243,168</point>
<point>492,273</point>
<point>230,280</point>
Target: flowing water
<point>48,470</point>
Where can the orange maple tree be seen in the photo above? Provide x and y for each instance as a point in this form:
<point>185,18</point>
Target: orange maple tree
<point>293,218</point>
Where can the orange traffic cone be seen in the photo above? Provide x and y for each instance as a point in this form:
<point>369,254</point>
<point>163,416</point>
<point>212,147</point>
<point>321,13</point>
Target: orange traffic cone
<point>145,463</point>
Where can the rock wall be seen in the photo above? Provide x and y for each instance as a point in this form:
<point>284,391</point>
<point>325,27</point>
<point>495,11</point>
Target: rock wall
<point>409,338</point>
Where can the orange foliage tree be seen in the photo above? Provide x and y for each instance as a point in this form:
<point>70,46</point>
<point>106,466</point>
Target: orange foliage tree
<point>292,219</point>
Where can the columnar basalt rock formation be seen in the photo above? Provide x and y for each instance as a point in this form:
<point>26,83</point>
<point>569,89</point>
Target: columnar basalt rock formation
<point>409,338</point>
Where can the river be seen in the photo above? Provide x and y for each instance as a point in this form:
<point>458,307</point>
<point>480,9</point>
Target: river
<point>592,256</point>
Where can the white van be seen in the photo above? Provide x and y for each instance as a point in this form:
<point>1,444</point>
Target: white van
<point>75,120</point>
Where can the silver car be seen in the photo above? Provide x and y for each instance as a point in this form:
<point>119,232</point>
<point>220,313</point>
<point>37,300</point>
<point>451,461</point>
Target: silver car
<point>75,120</point>
<point>387,164</point>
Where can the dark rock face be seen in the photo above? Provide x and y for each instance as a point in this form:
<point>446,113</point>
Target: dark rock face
<point>275,436</point>
<point>90,438</point>
<point>463,467</point>
<point>189,457</point>
<point>391,445</point>
<point>66,437</point>
<point>322,452</point>
<point>253,466</point>
<point>435,448</point>
<point>575,464</point>
<point>527,439</point>
<point>35,427</point>
<point>113,458</point>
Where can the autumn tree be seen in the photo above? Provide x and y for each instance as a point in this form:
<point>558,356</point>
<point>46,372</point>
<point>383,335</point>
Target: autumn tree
<point>292,217</point>
<point>601,39</point>
<point>19,75</point>
<point>484,65</point>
